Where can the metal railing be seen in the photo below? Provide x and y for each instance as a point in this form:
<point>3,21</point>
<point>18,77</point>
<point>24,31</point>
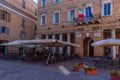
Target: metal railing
<point>94,19</point>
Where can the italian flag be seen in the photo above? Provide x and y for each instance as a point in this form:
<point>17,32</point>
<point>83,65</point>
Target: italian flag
<point>80,14</point>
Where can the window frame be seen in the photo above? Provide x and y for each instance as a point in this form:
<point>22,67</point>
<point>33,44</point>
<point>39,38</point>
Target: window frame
<point>42,3</point>
<point>105,2</point>
<point>56,2</point>
<point>4,30</point>
<point>42,19</point>
<point>23,22</point>
<point>54,17</point>
<point>4,15</point>
<point>23,4</point>
<point>22,34</point>
<point>86,17</point>
<point>69,19</point>
<point>88,5</point>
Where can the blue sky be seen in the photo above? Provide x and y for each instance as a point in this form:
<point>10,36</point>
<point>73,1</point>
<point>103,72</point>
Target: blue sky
<point>36,1</point>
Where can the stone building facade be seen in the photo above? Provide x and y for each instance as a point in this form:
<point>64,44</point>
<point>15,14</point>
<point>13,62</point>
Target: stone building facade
<point>18,19</point>
<point>58,19</point>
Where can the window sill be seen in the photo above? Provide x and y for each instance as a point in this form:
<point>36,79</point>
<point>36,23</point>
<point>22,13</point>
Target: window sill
<point>55,23</point>
<point>106,15</point>
<point>70,21</point>
<point>43,24</point>
<point>56,3</point>
<point>43,6</point>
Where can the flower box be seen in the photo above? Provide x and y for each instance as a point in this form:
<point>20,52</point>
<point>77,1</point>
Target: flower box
<point>91,71</point>
<point>81,65</point>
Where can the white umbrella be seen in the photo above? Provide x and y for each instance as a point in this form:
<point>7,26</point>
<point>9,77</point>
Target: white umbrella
<point>47,42</point>
<point>32,46</point>
<point>11,44</point>
<point>107,42</point>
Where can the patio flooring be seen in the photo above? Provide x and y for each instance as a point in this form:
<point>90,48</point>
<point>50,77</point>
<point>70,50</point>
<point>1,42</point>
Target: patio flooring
<point>18,70</point>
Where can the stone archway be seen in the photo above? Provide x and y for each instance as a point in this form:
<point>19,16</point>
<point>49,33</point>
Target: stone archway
<point>88,50</point>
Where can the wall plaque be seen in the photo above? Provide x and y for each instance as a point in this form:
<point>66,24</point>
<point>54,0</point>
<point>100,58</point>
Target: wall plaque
<point>78,35</point>
<point>97,34</point>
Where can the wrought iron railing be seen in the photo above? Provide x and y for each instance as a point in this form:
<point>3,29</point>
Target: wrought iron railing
<point>90,20</point>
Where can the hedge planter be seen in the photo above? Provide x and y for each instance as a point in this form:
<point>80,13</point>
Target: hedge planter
<point>91,71</point>
<point>115,75</point>
<point>76,67</point>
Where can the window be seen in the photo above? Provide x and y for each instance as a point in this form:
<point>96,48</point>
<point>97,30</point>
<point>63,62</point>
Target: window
<point>4,29</point>
<point>43,36</point>
<point>22,34</point>
<point>107,9</point>
<point>23,4</point>
<point>23,22</point>
<point>49,36</point>
<point>71,15</point>
<point>57,1</point>
<point>4,15</point>
<point>56,17</point>
<point>44,2</point>
<point>88,11</point>
<point>43,19</point>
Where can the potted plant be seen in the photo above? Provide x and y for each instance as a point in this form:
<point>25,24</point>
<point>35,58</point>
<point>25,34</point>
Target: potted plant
<point>76,67</point>
<point>90,70</point>
<point>81,65</point>
<point>115,75</point>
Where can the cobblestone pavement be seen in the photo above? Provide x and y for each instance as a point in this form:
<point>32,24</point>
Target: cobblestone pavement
<point>17,70</point>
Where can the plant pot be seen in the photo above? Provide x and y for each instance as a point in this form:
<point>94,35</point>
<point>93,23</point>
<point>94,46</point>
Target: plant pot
<point>91,72</point>
<point>114,77</point>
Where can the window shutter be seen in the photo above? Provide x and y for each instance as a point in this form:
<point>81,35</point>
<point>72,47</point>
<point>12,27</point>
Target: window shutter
<point>109,9</point>
<point>104,9</point>
<point>7,31</point>
<point>0,29</point>
<point>8,17</point>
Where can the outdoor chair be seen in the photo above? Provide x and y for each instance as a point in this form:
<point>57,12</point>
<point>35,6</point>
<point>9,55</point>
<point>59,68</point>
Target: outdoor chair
<point>2,56</point>
<point>8,56</point>
<point>103,61</point>
<point>115,62</point>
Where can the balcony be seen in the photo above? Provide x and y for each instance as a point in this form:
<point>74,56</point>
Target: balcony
<point>96,19</point>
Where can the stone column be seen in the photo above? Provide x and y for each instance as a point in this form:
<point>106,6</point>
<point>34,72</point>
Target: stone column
<point>60,49</point>
<point>68,40</point>
<point>114,47</point>
<point>53,48</point>
<point>6,50</point>
<point>47,38</point>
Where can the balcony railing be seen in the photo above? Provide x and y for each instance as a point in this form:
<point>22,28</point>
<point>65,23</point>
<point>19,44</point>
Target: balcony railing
<point>90,20</point>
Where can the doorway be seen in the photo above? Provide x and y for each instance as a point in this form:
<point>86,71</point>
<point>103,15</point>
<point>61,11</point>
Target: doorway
<point>88,50</point>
